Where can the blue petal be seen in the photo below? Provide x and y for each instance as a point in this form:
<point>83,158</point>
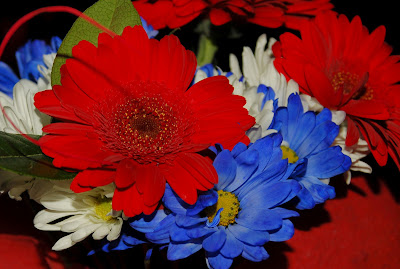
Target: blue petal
<point>247,163</point>
<point>238,148</point>
<point>304,128</point>
<point>215,241</point>
<point>280,122</point>
<point>249,236</point>
<point>272,175</point>
<point>205,199</point>
<point>7,79</point>
<point>225,165</point>
<point>295,111</point>
<point>284,233</point>
<point>259,219</point>
<point>147,223</point>
<point>232,247</point>
<point>320,138</point>
<point>181,251</point>
<point>324,115</point>
<point>55,43</point>
<point>173,202</point>
<point>186,221</point>
<point>266,196</point>
<point>328,163</point>
<point>255,253</point>
<point>178,234</point>
<point>285,213</point>
<point>219,262</point>
<point>306,200</point>
<point>198,232</point>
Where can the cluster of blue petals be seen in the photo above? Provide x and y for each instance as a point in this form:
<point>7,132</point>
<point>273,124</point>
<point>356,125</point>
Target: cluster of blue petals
<point>257,176</point>
<point>28,57</point>
<point>311,135</point>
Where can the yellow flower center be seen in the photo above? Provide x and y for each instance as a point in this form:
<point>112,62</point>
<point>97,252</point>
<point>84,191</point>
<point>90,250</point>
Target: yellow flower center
<point>230,205</point>
<point>103,207</point>
<point>288,153</point>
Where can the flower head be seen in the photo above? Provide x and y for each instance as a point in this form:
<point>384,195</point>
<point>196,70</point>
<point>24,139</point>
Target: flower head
<point>240,214</point>
<point>267,13</point>
<point>30,60</point>
<point>127,117</point>
<point>80,214</point>
<point>346,68</point>
<point>307,140</point>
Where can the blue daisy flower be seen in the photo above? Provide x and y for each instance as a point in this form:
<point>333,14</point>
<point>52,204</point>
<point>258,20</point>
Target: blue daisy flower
<point>28,58</point>
<point>240,214</point>
<point>307,140</point>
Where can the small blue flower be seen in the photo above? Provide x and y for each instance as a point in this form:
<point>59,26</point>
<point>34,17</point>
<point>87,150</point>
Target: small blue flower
<point>307,140</point>
<point>28,58</point>
<point>31,55</point>
<point>241,213</point>
<point>151,33</point>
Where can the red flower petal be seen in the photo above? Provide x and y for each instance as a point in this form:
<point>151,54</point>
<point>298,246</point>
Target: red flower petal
<point>126,173</point>
<point>89,179</point>
<point>219,16</point>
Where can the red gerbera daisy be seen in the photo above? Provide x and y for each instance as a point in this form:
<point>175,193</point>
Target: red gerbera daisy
<point>268,13</point>
<point>127,117</point>
<point>346,68</point>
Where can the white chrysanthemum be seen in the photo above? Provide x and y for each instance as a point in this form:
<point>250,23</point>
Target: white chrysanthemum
<point>27,118</point>
<point>21,109</point>
<point>259,69</point>
<point>82,214</point>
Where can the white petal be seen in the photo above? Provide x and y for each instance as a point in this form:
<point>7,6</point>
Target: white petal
<point>115,230</point>
<point>61,201</point>
<point>84,232</point>
<point>47,216</point>
<point>63,243</point>
<point>250,68</point>
<point>234,65</point>
<point>101,232</point>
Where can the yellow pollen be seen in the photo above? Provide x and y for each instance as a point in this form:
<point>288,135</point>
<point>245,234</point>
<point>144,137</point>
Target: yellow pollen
<point>103,207</point>
<point>288,153</point>
<point>230,205</point>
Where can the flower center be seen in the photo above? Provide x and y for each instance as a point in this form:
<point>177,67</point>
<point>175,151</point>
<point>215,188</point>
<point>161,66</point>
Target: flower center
<point>288,153</point>
<point>346,82</point>
<point>102,208</point>
<point>146,123</point>
<point>230,205</point>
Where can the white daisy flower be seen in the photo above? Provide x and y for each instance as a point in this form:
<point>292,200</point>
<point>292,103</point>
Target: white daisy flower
<point>81,214</point>
<point>28,120</point>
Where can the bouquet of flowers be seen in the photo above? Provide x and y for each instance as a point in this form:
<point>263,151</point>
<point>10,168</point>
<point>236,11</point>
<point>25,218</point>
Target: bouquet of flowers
<point>124,135</point>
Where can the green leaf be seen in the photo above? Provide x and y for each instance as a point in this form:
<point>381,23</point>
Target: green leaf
<point>21,156</point>
<point>113,14</point>
<point>206,50</point>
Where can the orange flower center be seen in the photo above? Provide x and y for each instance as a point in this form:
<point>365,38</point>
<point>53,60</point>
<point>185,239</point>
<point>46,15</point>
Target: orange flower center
<point>346,83</point>
<point>146,125</point>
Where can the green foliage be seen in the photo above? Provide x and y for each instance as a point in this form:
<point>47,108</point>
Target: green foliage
<point>19,155</point>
